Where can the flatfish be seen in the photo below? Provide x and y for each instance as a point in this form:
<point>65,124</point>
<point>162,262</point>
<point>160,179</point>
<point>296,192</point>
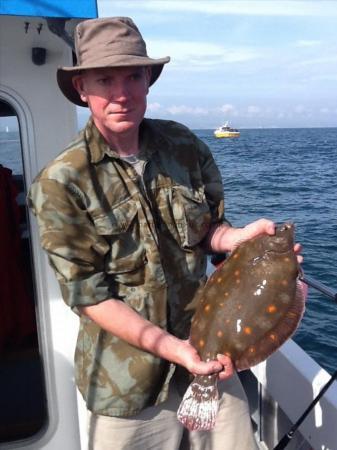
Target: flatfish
<point>248,308</point>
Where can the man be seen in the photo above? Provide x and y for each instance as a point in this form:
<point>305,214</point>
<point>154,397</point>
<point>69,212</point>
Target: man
<point>126,214</point>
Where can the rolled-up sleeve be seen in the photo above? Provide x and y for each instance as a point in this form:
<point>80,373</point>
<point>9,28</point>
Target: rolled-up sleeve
<point>75,251</point>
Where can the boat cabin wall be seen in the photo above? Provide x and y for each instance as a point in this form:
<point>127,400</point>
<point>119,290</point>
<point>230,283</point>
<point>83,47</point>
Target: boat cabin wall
<point>47,123</point>
<point>50,117</point>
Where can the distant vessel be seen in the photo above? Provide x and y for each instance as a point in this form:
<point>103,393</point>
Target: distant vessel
<point>225,131</point>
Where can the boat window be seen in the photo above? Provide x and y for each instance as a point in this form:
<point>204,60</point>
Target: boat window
<point>23,409</point>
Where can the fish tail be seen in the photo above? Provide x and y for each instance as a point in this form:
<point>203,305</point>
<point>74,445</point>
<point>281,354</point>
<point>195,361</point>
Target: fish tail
<point>200,404</point>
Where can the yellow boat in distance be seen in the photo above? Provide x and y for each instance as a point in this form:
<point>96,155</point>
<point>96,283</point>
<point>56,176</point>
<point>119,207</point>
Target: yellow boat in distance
<point>225,131</point>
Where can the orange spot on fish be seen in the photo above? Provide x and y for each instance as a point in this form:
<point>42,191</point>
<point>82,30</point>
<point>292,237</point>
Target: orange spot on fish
<point>272,337</point>
<point>219,334</point>
<point>239,306</point>
<point>201,343</point>
<point>227,321</point>
<point>226,294</point>
<point>235,256</point>
<point>221,304</point>
<point>271,309</point>
<point>237,273</point>
<point>237,281</point>
<point>251,349</point>
<point>219,280</point>
<point>284,282</point>
<point>247,330</point>
<point>286,259</point>
<point>207,308</point>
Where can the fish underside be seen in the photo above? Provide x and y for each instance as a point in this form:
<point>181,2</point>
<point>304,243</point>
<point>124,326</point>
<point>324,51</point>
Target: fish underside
<point>248,308</point>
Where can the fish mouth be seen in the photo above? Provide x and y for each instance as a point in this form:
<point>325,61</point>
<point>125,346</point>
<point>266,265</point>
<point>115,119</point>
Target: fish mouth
<point>284,227</point>
<point>278,244</point>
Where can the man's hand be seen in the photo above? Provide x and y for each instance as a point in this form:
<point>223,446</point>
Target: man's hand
<point>265,226</point>
<point>225,238</point>
<point>227,367</point>
<point>189,358</point>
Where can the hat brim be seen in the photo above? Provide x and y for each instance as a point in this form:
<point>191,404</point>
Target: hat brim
<point>66,74</point>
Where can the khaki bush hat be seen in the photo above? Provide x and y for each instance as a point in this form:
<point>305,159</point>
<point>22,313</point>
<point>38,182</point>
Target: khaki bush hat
<point>107,42</point>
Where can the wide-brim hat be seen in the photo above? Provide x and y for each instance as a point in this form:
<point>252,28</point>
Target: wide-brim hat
<point>107,42</point>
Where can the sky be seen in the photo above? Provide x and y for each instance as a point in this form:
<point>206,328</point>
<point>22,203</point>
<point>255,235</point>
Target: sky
<point>254,63</point>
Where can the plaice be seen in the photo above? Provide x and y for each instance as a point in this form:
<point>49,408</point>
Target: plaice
<point>248,308</point>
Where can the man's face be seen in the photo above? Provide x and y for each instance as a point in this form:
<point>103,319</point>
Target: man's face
<point>115,96</point>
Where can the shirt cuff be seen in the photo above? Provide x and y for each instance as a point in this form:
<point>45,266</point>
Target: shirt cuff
<point>86,292</point>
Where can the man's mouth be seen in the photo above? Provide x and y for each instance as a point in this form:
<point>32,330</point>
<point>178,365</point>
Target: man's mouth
<point>121,112</point>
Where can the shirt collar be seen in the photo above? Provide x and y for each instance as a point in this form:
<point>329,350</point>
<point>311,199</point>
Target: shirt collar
<point>98,147</point>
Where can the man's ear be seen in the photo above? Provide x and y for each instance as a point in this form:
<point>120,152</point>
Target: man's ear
<point>78,84</point>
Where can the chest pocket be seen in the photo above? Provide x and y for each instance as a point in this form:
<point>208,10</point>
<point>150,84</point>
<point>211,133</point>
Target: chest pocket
<point>191,214</point>
<point>120,228</point>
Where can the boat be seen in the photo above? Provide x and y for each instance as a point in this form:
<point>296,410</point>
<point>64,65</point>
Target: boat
<point>40,406</point>
<point>225,131</point>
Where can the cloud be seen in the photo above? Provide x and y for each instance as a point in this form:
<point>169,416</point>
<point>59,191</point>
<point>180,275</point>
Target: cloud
<point>323,8</point>
<point>253,110</point>
<point>303,111</point>
<point>325,77</point>
<point>153,107</point>
<point>202,55</point>
<point>307,43</point>
<point>319,60</point>
<point>183,109</point>
<point>227,109</point>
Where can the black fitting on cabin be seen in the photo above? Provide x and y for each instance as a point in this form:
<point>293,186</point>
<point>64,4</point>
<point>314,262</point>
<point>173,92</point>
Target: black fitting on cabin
<point>39,55</point>
<point>58,27</point>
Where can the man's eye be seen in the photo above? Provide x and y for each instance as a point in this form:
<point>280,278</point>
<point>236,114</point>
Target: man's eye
<point>136,76</point>
<point>103,81</point>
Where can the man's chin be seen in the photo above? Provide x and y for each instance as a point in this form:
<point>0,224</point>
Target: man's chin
<point>122,126</point>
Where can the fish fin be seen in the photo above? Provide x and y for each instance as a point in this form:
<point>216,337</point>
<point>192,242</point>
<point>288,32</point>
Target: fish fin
<point>199,406</point>
<point>302,290</point>
<point>278,335</point>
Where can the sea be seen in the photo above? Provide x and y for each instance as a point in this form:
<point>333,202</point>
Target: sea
<point>284,175</point>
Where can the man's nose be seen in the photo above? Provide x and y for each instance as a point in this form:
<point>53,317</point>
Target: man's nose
<point>120,91</point>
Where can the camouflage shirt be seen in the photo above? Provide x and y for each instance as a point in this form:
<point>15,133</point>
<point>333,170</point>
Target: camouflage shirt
<point>113,234</point>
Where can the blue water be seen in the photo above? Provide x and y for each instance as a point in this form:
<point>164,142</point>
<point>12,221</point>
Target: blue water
<point>10,152</point>
<point>285,175</point>
<point>290,175</point>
